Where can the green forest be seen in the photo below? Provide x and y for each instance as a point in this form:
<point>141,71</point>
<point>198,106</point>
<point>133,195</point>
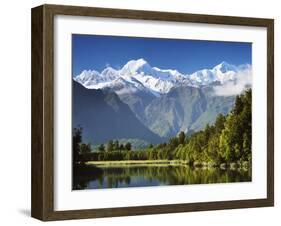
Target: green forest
<point>226,141</point>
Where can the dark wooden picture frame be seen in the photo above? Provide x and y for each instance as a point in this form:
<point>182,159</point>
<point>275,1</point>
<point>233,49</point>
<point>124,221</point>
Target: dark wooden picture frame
<point>42,203</point>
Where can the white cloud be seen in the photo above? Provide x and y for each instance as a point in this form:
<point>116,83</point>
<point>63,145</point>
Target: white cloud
<point>237,86</point>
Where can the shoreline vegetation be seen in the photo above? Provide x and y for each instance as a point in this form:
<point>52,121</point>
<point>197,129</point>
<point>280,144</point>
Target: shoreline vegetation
<point>227,144</point>
<point>165,162</point>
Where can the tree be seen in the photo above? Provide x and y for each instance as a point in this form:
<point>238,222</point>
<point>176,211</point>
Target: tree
<point>235,139</point>
<point>110,145</point>
<point>207,133</point>
<point>238,106</point>
<point>101,147</point>
<point>76,140</point>
<point>116,145</point>
<point>121,147</point>
<point>219,124</point>
<point>128,146</point>
<point>173,143</point>
<point>181,138</point>
<point>85,148</point>
<point>247,147</point>
<point>213,149</point>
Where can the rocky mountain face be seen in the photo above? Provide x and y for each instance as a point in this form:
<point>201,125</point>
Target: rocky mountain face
<point>185,109</point>
<point>103,116</point>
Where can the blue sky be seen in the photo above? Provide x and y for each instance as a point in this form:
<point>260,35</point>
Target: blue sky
<point>187,56</point>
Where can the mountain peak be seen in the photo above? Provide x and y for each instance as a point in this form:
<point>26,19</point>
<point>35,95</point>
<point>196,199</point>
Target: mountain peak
<point>224,67</point>
<point>135,65</point>
<point>86,75</point>
<point>141,61</point>
<point>109,71</point>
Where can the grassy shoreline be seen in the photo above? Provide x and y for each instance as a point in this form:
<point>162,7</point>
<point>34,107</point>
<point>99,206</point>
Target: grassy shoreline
<point>165,162</point>
<point>137,163</point>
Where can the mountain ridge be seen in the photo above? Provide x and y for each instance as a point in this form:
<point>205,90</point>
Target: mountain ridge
<point>140,76</point>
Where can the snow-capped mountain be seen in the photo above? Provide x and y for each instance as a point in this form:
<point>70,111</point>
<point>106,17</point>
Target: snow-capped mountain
<point>138,75</point>
<point>164,101</point>
<point>221,73</point>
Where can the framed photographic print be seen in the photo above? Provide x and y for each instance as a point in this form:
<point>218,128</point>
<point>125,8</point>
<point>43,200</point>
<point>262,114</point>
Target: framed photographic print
<point>141,112</point>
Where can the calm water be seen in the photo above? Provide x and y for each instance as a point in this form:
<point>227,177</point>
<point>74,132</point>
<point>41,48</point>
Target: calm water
<point>140,176</point>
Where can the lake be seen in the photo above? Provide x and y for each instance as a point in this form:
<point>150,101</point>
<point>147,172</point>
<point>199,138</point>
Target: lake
<point>154,175</point>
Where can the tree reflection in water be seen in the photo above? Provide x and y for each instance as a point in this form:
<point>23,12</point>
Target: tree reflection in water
<point>140,176</point>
